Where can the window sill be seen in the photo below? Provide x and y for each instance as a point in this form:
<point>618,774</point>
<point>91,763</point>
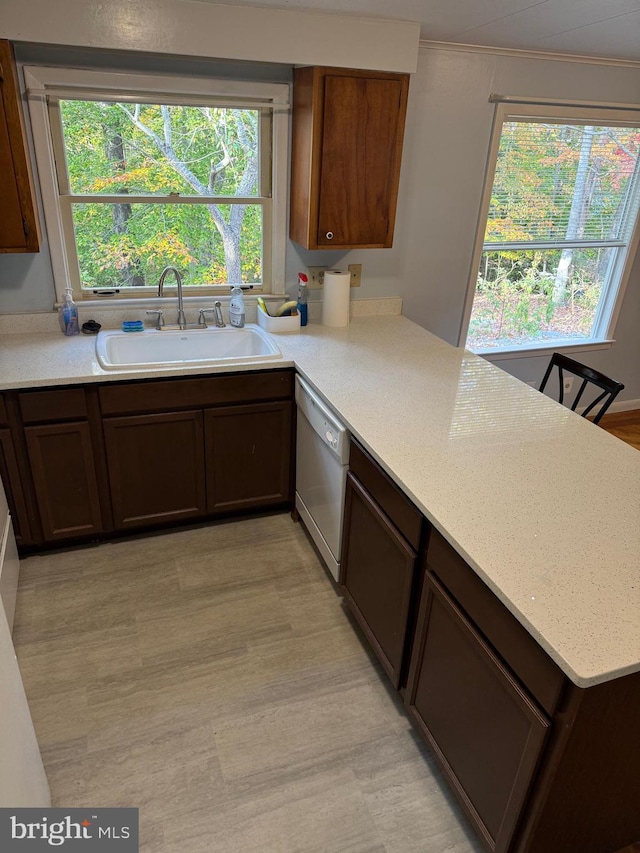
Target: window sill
<point>109,303</point>
<point>545,349</point>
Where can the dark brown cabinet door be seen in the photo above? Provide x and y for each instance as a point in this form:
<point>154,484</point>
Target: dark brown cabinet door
<point>13,489</point>
<point>18,223</point>
<point>484,729</point>
<point>156,467</point>
<point>377,576</point>
<point>64,478</point>
<point>248,451</point>
<point>348,129</point>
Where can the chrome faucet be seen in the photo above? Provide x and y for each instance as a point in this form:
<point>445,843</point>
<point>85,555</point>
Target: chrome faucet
<point>181,318</point>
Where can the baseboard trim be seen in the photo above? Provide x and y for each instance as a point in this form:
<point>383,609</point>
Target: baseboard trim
<point>623,406</point>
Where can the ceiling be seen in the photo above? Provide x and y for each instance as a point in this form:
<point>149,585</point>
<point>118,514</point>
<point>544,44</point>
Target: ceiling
<point>606,28</point>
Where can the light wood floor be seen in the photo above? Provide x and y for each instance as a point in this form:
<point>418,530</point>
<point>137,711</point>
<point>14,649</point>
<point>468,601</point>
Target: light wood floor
<point>211,678</point>
<point>624,425</point>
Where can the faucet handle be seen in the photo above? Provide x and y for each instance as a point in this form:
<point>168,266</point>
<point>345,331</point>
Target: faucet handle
<point>160,320</point>
<point>216,311</point>
<point>201,318</point>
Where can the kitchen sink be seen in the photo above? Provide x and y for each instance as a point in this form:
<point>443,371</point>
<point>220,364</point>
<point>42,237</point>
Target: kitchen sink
<point>154,348</point>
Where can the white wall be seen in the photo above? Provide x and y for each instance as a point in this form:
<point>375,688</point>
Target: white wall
<point>216,30</point>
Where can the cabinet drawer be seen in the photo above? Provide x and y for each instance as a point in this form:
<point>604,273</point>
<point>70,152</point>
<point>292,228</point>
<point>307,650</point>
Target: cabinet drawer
<point>387,495</point>
<point>64,404</point>
<point>174,394</point>
<point>512,642</point>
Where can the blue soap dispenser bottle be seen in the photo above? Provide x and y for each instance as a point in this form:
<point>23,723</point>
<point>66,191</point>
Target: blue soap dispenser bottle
<point>69,315</point>
<point>302,298</point>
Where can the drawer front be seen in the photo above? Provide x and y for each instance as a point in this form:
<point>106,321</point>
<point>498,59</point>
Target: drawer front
<point>3,412</point>
<point>387,495</point>
<point>61,404</point>
<point>173,394</point>
<point>512,642</point>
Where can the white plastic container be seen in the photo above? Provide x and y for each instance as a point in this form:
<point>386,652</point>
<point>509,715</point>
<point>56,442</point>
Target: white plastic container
<point>236,308</point>
<point>278,324</point>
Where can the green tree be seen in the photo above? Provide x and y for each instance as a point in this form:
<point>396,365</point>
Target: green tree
<point>150,149</point>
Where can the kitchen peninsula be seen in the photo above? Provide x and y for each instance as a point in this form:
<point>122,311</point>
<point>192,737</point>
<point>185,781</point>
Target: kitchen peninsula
<point>542,505</point>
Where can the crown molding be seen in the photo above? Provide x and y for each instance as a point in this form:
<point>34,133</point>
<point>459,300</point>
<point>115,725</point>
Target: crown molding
<point>546,55</point>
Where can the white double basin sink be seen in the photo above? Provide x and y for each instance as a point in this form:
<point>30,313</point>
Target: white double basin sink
<point>153,348</point>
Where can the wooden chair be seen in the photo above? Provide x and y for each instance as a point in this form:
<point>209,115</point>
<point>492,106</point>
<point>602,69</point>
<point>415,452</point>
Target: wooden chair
<point>609,387</point>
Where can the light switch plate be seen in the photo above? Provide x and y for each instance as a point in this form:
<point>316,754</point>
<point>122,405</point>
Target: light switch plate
<point>316,276</point>
<point>356,274</point>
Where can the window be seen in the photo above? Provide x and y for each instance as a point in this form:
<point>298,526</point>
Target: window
<point>145,172</point>
<point>558,226</point>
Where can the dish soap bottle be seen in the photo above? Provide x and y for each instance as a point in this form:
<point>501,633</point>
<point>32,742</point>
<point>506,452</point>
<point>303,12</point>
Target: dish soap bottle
<point>302,298</point>
<point>69,315</point>
<point>236,307</point>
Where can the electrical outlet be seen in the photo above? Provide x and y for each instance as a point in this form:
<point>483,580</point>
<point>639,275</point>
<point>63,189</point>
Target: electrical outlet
<point>356,274</point>
<point>567,384</point>
<point>316,276</point>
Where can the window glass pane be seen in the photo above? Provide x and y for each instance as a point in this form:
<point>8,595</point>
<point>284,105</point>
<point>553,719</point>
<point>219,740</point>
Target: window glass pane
<point>517,300</point>
<point>154,149</point>
<point>129,244</point>
<point>557,182</point>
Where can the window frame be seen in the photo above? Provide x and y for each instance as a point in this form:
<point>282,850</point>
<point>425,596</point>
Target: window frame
<point>45,86</point>
<point>611,302</point>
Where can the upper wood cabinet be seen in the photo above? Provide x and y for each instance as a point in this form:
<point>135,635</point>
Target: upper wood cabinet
<point>18,218</point>
<point>348,128</point>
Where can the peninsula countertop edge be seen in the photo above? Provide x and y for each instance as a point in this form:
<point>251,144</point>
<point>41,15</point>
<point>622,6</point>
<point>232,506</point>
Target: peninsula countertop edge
<point>542,504</point>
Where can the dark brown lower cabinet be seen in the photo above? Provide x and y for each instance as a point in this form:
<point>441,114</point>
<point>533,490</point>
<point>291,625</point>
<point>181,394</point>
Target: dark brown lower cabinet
<point>486,731</point>
<point>156,467</point>
<point>248,455</point>
<point>10,476</point>
<point>64,479</point>
<point>539,764</point>
<point>378,567</point>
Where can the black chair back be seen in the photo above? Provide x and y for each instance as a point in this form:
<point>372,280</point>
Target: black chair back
<point>609,387</point>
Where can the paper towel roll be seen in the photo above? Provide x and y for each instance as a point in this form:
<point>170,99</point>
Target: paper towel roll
<point>335,298</point>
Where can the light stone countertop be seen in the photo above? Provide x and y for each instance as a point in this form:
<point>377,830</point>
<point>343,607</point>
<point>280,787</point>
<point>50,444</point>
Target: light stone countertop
<point>543,505</point>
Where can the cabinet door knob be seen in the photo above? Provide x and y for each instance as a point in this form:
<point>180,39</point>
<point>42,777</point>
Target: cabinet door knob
<point>329,235</point>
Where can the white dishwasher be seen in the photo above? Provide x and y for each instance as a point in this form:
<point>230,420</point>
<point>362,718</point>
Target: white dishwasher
<point>322,457</point>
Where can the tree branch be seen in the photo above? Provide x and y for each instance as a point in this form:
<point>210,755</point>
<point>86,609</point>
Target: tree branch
<point>166,148</point>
